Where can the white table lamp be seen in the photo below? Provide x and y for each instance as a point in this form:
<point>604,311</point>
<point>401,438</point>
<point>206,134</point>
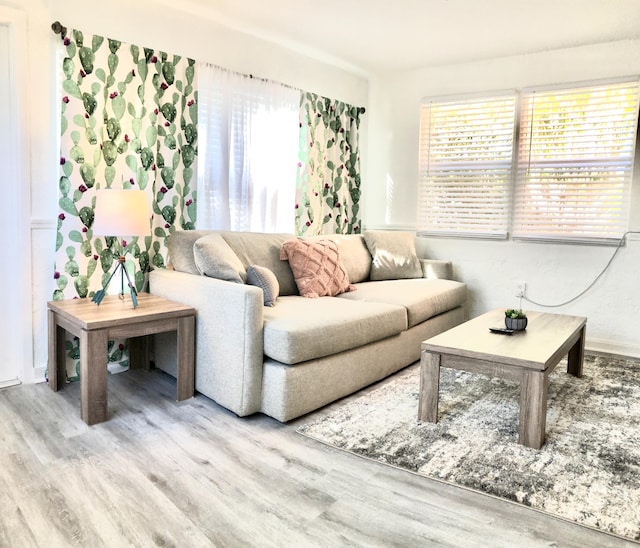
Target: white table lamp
<point>120,213</point>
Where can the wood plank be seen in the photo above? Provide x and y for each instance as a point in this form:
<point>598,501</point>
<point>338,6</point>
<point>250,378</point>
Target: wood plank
<point>429,387</point>
<point>537,347</point>
<point>533,409</point>
<point>93,375</point>
<point>194,474</point>
<point>186,358</point>
<point>139,353</point>
<point>116,312</point>
<point>485,367</point>
<point>576,355</point>
<point>95,326</point>
<point>528,356</point>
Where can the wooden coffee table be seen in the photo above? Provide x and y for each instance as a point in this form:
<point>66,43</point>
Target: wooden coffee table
<point>95,325</point>
<point>528,356</point>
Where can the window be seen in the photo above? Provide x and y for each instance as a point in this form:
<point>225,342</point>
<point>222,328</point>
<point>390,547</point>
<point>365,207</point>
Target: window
<point>466,156</point>
<point>575,162</point>
<point>570,168</point>
<point>249,133</point>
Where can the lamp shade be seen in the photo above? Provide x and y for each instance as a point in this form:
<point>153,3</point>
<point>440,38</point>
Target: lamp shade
<point>121,213</point>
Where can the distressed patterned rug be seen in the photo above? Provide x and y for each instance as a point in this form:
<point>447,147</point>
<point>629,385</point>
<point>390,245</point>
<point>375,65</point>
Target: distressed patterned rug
<point>588,471</point>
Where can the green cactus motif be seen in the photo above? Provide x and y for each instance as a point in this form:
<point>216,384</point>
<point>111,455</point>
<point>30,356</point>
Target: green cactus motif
<point>110,152</point>
<point>328,180</point>
<point>87,58</point>
<point>123,134</point>
<point>86,216</point>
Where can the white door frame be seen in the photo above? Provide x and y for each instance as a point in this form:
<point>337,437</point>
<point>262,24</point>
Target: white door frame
<point>19,256</point>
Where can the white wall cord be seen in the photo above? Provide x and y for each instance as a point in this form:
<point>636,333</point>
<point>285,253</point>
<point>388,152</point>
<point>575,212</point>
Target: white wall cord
<point>620,244</point>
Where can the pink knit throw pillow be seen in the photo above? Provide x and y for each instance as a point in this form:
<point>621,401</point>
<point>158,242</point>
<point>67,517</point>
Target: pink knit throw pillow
<point>316,267</point>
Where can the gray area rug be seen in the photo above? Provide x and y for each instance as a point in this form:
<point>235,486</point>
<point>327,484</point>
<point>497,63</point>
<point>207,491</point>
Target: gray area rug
<point>588,471</point>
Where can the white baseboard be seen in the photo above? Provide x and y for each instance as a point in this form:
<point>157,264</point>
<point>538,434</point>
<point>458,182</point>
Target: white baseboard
<point>608,347</point>
<point>7,384</point>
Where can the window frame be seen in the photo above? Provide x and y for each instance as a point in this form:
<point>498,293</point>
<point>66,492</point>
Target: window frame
<point>516,166</point>
<point>518,215</point>
<point>496,96</point>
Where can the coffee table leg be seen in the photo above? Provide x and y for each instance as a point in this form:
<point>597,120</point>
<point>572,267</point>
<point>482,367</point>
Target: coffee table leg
<point>576,355</point>
<point>429,387</point>
<point>533,409</point>
<point>93,376</point>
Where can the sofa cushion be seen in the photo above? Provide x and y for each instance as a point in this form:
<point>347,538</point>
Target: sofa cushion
<point>214,258</point>
<point>263,249</point>
<point>354,254</point>
<point>316,267</point>
<point>422,298</point>
<point>394,255</point>
<point>266,280</point>
<point>300,329</point>
<point>181,249</point>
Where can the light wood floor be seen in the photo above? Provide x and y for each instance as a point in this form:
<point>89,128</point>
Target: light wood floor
<point>158,473</point>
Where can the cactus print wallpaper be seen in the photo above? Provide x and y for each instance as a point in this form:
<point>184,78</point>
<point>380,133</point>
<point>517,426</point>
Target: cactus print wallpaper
<point>328,184</point>
<point>128,120</point>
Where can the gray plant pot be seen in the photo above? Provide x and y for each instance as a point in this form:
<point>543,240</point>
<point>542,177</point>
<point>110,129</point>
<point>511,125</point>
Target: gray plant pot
<point>517,324</point>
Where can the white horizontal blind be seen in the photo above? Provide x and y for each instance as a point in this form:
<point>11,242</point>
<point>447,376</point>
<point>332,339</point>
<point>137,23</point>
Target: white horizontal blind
<point>575,162</point>
<point>466,156</point>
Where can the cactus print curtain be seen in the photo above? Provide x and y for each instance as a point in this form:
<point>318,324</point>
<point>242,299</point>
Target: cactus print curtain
<point>128,120</point>
<point>328,180</point>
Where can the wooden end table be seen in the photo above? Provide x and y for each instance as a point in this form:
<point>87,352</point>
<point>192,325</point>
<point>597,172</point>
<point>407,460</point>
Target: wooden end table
<point>115,318</point>
<point>528,356</point>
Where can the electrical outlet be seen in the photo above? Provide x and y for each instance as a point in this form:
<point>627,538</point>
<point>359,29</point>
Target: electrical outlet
<point>521,289</point>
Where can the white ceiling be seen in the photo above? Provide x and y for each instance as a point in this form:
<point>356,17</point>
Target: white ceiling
<point>372,36</point>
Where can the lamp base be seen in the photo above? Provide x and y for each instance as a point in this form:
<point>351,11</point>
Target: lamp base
<point>100,294</point>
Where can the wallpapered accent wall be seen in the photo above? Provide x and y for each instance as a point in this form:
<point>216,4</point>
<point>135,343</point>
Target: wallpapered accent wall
<point>328,180</point>
<point>128,120</point>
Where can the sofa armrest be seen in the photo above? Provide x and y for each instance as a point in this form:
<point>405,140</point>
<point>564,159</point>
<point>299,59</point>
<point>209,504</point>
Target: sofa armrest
<point>436,270</point>
<point>229,335</point>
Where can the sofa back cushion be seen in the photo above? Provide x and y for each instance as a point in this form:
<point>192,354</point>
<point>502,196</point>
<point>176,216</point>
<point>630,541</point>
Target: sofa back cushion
<point>214,258</point>
<point>354,255</point>
<point>394,255</point>
<point>180,245</point>
<point>257,248</point>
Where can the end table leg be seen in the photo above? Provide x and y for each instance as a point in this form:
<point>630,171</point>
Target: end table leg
<point>429,387</point>
<point>93,376</point>
<point>56,358</point>
<point>576,355</point>
<point>52,350</point>
<point>139,353</point>
<point>186,358</point>
<point>533,409</point>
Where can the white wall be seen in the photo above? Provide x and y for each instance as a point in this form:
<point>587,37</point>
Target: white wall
<point>146,23</point>
<point>554,273</point>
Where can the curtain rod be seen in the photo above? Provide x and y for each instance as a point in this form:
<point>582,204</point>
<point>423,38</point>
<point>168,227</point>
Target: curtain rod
<point>59,28</point>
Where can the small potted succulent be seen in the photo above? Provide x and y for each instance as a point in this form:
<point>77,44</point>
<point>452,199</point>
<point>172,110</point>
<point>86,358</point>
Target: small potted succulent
<point>515,319</point>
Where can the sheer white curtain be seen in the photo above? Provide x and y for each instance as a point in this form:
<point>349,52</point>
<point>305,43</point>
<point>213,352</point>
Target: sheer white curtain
<point>248,152</point>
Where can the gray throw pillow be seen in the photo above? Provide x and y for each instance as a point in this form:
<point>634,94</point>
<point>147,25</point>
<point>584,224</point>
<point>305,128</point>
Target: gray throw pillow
<point>394,255</point>
<point>266,280</point>
<point>214,258</point>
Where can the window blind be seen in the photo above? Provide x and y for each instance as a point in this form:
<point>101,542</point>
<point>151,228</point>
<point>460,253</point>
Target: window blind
<point>575,162</point>
<point>466,157</point>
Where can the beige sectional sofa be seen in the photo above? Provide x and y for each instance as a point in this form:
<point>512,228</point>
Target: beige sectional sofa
<point>301,353</point>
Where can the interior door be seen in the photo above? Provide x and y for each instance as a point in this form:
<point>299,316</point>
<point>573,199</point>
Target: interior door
<point>10,332</point>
